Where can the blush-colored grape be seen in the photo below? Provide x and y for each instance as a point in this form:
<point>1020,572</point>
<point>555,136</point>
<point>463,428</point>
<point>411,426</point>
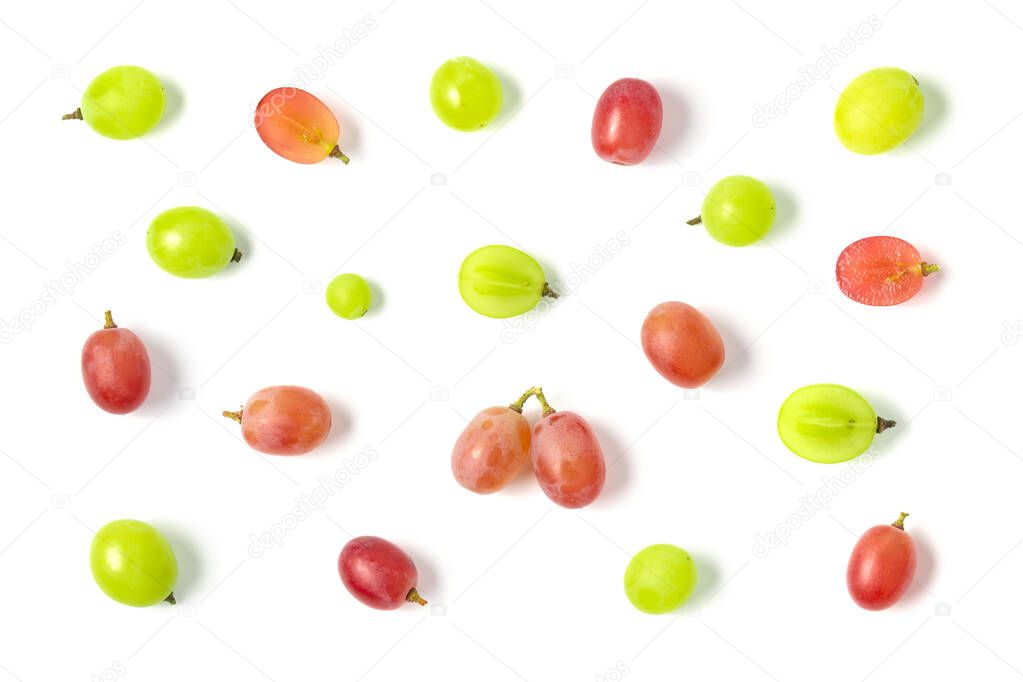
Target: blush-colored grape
<point>115,368</point>
<point>882,566</point>
<point>567,459</point>
<point>626,122</point>
<point>881,271</point>
<point>492,450</point>
<point>378,573</point>
<point>298,126</point>
<point>284,420</point>
<point>682,344</point>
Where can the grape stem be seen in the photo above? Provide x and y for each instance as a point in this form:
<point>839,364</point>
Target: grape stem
<point>236,257</point>
<point>413,596</point>
<point>108,321</point>
<point>75,115</point>
<point>884,424</point>
<point>170,599</point>
<point>898,522</point>
<point>237,416</point>
<point>695,221</point>
<point>928,269</point>
<point>548,292</point>
<point>535,391</point>
<point>338,154</point>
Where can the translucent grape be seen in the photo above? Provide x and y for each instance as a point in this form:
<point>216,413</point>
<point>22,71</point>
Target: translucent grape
<point>882,566</point>
<point>464,94</point>
<point>500,281</point>
<point>378,573</point>
<point>190,242</point>
<point>737,211</point>
<point>491,450</point>
<point>682,344</point>
<point>878,110</point>
<point>284,420</point>
<point>115,368</point>
<point>567,459</point>
<point>626,122</point>
<point>828,423</point>
<point>660,578</point>
<point>122,103</point>
<point>349,296</point>
<point>881,271</point>
<point>133,563</point>
<point>298,126</point>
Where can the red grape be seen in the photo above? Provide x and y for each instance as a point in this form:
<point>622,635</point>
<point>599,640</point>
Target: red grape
<point>115,368</point>
<point>378,573</point>
<point>491,450</point>
<point>284,420</point>
<point>626,122</point>
<point>881,271</point>
<point>682,344</point>
<point>567,459</point>
<point>297,126</point>
<point>881,566</point>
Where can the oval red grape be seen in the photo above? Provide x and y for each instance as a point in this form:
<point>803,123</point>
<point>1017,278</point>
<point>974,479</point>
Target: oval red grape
<point>881,271</point>
<point>492,449</point>
<point>627,121</point>
<point>882,566</point>
<point>682,344</point>
<point>115,368</point>
<point>378,573</point>
<point>298,126</point>
<point>567,459</point>
<point>284,420</point>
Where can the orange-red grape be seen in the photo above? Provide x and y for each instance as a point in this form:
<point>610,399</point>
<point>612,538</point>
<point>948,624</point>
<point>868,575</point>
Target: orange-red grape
<point>491,450</point>
<point>882,565</point>
<point>881,271</point>
<point>567,459</point>
<point>298,126</point>
<point>378,573</point>
<point>682,344</point>
<point>284,420</point>
<point>115,368</point>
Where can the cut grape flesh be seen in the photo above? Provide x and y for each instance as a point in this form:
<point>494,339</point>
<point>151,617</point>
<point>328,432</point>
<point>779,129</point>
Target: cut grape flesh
<point>828,423</point>
<point>881,271</point>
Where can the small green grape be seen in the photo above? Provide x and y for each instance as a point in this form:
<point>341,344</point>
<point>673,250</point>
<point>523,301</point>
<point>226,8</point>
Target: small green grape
<point>191,242</point>
<point>737,211</point>
<point>122,103</point>
<point>878,110</point>
<point>464,94</point>
<point>349,296</point>
<point>828,423</point>
<point>660,578</point>
<point>133,563</point>
<point>501,281</point>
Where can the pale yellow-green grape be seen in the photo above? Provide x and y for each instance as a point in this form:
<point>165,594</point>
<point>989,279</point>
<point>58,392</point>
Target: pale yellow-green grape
<point>191,242</point>
<point>122,103</point>
<point>828,423</point>
<point>465,94</point>
<point>501,281</point>
<point>878,110</point>
<point>660,578</point>
<point>737,211</point>
<point>348,296</point>
<point>133,563</point>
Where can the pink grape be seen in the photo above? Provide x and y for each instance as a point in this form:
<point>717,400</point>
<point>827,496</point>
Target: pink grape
<point>682,344</point>
<point>491,450</point>
<point>627,121</point>
<point>567,459</point>
<point>378,573</point>
<point>284,420</point>
<point>115,368</point>
<point>882,566</point>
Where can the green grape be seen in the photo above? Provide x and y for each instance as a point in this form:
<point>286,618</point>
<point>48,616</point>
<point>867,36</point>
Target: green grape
<point>878,110</point>
<point>191,242</point>
<point>500,281</point>
<point>122,103</point>
<point>828,423</point>
<point>464,94</point>
<point>737,211</point>
<point>348,296</point>
<point>133,563</point>
<point>659,578</point>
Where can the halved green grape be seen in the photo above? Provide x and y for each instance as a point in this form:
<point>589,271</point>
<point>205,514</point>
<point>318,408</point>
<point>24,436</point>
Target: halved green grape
<point>501,281</point>
<point>191,242</point>
<point>348,296</point>
<point>737,211</point>
<point>133,563</point>
<point>659,578</point>
<point>121,103</point>
<point>828,423</point>
<point>878,110</point>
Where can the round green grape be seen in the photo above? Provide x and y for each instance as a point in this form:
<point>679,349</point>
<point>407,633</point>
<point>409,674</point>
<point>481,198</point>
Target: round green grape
<point>878,110</point>
<point>828,423</point>
<point>191,242</point>
<point>349,296</point>
<point>660,578</point>
<point>737,211</point>
<point>464,94</point>
<point>133,563</point>
<point>122,103</point>
<point>501,281</point>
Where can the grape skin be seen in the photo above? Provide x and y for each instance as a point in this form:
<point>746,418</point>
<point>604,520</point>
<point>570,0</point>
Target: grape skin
<point>500,281</point>
<point>122,103</point>
<point>737,211</point>
<point>190,242</point>
<point>660,578</point>
<point>827,423</point>
<point>378,573</point>
<point>878,110</point>
<point>465,94</point>
<point>133,563</point>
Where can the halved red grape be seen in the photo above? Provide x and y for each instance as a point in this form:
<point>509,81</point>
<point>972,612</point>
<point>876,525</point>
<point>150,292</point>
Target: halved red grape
<point>627,121</point>
<point>298,126</point>
<point>115,368</point>
<point>378,573</point>
<point>882,565</point>
<point>284,420</point>
<point>881,271</point>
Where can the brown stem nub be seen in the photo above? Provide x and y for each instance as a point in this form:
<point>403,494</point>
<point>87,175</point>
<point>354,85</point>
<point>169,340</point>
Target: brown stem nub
<point>928,269</point>
<point>898,522</point>
<point>237,416</point>
<point>548,292</point>
<point>236,257</point>
<point>170,599</point>
<point>695,221</point>
<point>413,596</point>
<point>338,154</point>
<point>75,115</point>
<point>884,424</point>
<point>108,321</point>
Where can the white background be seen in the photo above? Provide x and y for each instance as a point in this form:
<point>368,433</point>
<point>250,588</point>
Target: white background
<point>520,589</point>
